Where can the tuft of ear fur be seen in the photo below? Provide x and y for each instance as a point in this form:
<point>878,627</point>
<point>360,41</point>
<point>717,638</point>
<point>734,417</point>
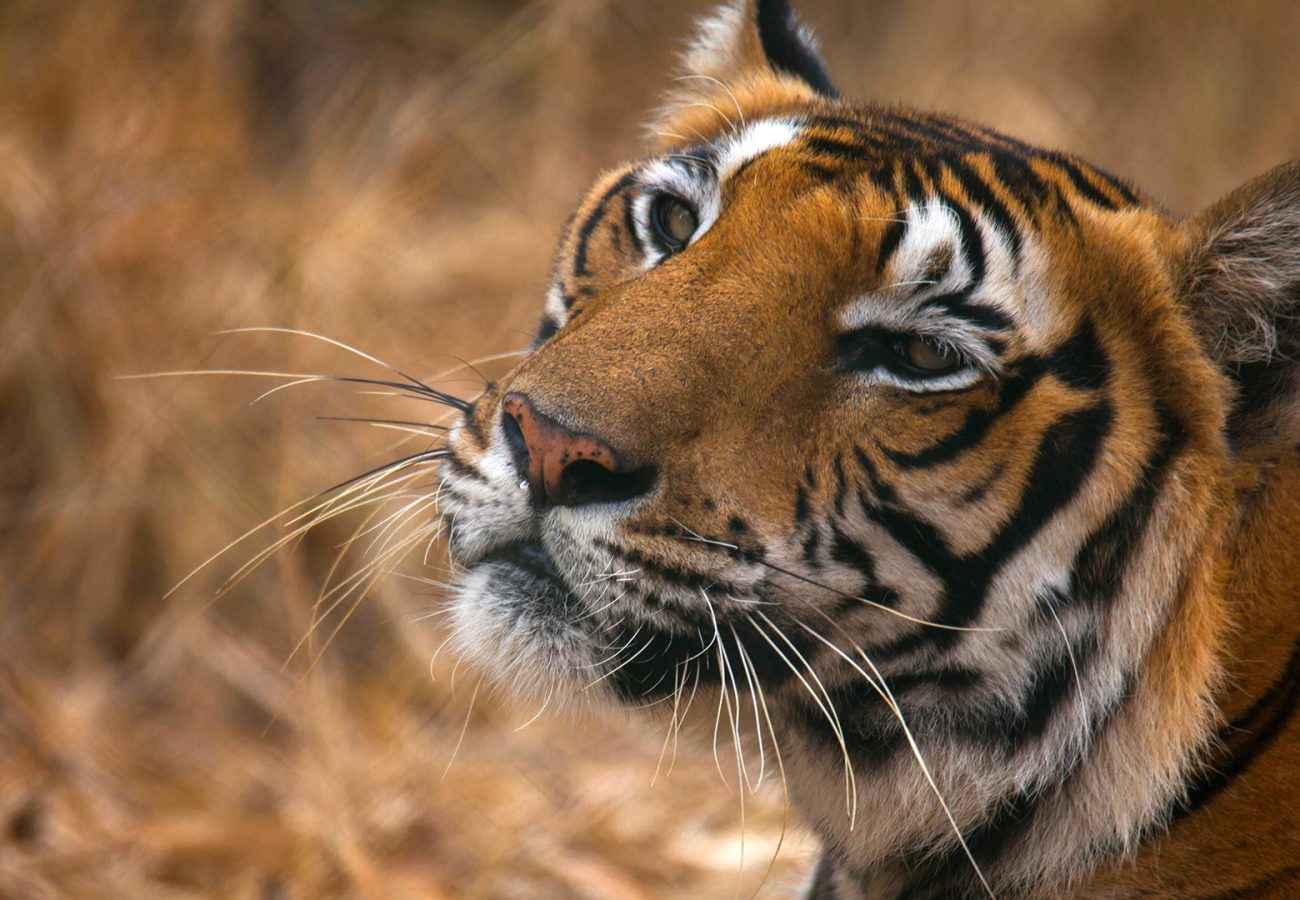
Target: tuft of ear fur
<point>746,35</point>
<point>1241,284</point>
<point>746,44</point>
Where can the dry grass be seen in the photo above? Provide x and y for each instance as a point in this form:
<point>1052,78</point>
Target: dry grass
<point>392,174</point>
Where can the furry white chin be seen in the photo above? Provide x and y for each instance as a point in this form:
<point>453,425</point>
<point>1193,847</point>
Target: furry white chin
<point>515,621</point>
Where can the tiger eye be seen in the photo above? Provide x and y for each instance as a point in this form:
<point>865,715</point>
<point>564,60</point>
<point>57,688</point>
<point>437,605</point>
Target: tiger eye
<point>922,354</point>
<point>674,221</point>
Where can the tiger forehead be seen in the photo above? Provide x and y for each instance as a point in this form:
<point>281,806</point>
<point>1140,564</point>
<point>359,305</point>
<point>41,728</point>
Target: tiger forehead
<point>914,152</point>
<point>935,197</point>
<point>903,157</point>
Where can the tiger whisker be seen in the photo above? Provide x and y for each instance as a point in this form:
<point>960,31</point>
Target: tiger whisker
<point>614,655</point>
<point>537,715</point>
<point>785,787</point>
<point>679,685</point>
<point>413,390</point>
<point>601,609</point>
<point>406,422</point>
<point>734,721</point>
<point>750,678</point>
<point>433,613</point>
<point>1074,668</point>
<point>695,536</point>
<point>827,710</point>
<point>731,126</point>
<point>740,113</point>
<point>464,728</point>
<point>415,382</point>
<point>423,455</point>
<point>674,135</point>
<point>852,784</point>
<point>646,646</point>
<point>879,685</point>
<point>716,642</point>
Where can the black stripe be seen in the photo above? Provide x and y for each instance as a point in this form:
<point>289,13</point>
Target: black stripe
<point>685,578</point>
<point>785,49</point>
<point>847,552</point>
<point>982,196</point>
<point>823,884</point>
<point>977,491</point>
<point>1066,456</point>
<point>545,331</point>
<point>954,679</point>
<point>461,467</point>
<point>1104,557</point>
<point>912,186</point>
<point>889,242</point>
<point>949,875</point>
<point>818,171</point>
<point>861,130</point>
<point>629,223</point>
<point>871,734</point>
<point>808,551</point>
<point>1247,738</point>
<point>593,219</point>
<point>841,488</point>
<point>1051,685</point>
<point>972,430</point>
<point>1020,178</point>
<point>1080,180</point>
<point>1079,362</point>
<point>927,128</point>
<point>470,421</point>
<point>801,507</point>
<point>844,151</point>
<point>656,670</point>
<point>971,242</point>
<point>956,305</point>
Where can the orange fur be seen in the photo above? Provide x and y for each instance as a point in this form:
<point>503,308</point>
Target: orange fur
<point>716,369</point>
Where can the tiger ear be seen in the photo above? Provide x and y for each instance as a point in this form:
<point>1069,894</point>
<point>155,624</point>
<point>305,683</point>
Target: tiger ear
<point>1241,284</point>
<point>746,55</point>
<point>748,37</point>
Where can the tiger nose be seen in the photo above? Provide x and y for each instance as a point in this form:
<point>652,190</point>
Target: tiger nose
<point>563,467</point>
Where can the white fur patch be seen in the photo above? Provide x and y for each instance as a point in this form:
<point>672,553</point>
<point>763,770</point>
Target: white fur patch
<point>898,306</point>
<point>752,141</point>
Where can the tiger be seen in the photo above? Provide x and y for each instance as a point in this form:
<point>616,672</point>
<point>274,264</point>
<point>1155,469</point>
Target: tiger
<point>960,475</point>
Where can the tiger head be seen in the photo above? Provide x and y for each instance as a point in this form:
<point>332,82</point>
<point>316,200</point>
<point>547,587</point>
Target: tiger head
<point>922,444</point>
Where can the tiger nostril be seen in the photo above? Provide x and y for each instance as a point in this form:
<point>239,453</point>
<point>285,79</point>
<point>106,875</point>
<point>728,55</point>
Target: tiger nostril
<point>517,445</point>
<point>585,481</point>
<point>563,467</point>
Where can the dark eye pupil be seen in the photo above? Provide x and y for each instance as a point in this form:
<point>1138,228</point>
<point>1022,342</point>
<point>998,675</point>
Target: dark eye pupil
<point>674,220</point>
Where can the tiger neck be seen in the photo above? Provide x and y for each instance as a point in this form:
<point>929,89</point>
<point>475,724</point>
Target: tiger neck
<point>1232,774</point>
<point>1249,785</point>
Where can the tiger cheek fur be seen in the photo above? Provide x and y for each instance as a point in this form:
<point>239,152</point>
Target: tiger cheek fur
<point>940,455</point>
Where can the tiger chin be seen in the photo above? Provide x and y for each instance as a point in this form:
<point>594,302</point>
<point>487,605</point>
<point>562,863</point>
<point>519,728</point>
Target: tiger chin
<point>959,469</point>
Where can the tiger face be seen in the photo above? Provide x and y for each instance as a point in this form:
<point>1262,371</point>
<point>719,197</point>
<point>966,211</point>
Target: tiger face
<point>917,437</point>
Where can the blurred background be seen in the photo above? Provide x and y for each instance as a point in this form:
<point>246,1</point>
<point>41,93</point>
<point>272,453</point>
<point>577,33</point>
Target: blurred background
<point>392,174</point>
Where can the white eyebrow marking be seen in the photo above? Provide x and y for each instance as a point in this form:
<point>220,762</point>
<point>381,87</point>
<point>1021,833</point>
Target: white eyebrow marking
<point>930,225</point>
<point>756,139</point>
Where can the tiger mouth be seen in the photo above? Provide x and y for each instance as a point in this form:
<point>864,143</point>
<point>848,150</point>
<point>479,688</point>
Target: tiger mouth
<point>530,559</point>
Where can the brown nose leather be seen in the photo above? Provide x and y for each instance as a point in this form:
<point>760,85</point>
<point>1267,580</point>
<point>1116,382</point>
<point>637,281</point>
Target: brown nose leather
<point>552,448</point>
